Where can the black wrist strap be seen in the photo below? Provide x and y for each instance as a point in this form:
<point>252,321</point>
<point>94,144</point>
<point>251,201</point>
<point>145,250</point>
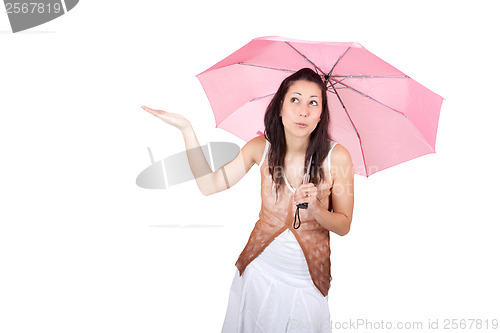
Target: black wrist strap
<point>297,214</point>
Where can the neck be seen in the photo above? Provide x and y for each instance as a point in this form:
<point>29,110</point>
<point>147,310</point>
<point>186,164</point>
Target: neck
<point>296,146</point>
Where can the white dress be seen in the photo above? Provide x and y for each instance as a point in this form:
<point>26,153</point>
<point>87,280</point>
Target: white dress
<point>275,293</point>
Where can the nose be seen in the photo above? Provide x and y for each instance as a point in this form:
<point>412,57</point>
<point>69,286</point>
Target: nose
<point>304,111</point>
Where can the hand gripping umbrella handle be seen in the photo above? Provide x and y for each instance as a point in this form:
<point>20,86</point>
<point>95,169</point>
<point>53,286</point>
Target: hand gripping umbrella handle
<point>304,204</point>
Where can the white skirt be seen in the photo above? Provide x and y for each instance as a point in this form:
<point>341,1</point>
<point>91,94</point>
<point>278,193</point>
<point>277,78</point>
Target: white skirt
<point>276,293</point>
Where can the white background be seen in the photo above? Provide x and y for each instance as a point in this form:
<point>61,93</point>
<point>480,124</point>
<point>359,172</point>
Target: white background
<point>83,249</point>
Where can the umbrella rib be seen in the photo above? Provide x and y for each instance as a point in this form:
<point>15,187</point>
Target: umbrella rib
<point>373,99</point>
<point>335,64</point>
<point>250,101</point>
<point>337,81</point>
<point>328,81</point>
<point>352,124</point>
<point>266,67</point>
<point>306,58</point>
<point>330,90</point>
<point>372,77</point>
<point>261,97</point>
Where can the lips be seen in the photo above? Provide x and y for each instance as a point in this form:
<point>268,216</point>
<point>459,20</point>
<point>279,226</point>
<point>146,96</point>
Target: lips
<point>301,124</point>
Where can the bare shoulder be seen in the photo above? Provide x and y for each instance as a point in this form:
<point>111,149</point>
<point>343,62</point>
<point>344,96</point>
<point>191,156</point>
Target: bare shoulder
<point>341,162</point>
<point>254,149</point>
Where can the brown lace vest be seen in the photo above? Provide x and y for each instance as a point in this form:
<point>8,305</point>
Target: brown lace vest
<point>276,216</point>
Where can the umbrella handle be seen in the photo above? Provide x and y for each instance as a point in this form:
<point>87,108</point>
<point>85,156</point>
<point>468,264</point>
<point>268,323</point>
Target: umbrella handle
<point>303,205</point>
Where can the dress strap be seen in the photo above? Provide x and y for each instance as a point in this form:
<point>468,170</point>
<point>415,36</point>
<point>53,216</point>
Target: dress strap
<point>329,153</point>
<point>264,154</point>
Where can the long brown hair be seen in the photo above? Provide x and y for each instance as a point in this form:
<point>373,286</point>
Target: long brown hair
<point>319,141</point>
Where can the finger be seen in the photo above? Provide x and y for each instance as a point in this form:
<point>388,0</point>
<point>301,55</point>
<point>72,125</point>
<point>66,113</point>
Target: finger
<point>148,109</point>
<point>156,114</point>
<point>313,191</point>
<point>310,193</point>
<point>152,111</point>
<point>298,199</point>
<point>307,188</point>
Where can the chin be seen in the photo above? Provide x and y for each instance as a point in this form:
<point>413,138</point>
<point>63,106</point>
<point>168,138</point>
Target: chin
<point>302,134</point>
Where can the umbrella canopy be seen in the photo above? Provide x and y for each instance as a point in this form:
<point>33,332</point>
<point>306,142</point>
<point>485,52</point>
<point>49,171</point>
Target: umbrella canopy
<point>379,114</point>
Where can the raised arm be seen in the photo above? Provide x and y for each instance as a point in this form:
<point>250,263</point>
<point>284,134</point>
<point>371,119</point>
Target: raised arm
<point>209,181</point>
<point>228,175</point>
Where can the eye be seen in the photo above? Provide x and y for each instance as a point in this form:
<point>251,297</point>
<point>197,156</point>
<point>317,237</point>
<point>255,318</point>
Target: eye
<point>294,99</point>
<point>314,103</point>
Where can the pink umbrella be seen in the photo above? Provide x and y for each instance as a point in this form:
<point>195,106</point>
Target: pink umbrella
<point>379,114</point>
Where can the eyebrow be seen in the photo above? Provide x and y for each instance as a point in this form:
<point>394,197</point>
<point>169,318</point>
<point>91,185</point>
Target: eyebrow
<point>301,94</point>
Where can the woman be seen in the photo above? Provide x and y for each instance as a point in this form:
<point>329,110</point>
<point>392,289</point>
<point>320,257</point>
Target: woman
<point>283,274</point>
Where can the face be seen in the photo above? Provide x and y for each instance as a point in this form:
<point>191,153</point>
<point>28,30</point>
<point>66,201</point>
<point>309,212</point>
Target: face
<point>302,108</point>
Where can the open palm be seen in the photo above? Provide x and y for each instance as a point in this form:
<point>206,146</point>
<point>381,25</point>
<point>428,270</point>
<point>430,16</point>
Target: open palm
<point>173,119</point>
